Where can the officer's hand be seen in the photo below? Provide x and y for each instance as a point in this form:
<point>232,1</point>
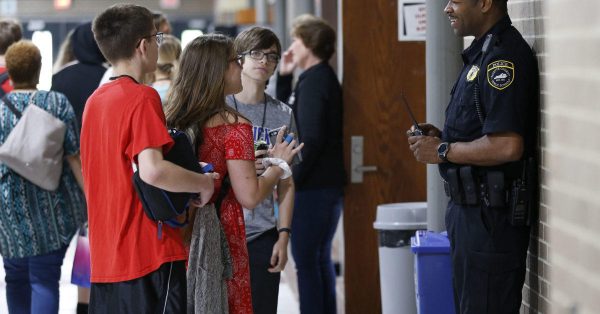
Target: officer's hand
<point>430,129</point>
<point>424,148</point>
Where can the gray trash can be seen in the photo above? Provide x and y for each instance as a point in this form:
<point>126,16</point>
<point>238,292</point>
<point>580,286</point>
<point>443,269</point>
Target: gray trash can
<point>396,224</point>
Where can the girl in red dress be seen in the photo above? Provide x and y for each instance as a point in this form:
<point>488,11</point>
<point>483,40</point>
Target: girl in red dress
<point>210,70</point>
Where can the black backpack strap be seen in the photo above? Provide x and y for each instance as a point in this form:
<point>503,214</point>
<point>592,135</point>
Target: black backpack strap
<point>10,106</point>
<point>225,186</point>
<point>3,78</point>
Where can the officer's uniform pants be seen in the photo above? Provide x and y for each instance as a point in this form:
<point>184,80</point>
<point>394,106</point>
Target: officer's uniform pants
<point>488,257</point>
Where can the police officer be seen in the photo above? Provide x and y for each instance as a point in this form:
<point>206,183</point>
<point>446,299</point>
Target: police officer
<point>489,134</point>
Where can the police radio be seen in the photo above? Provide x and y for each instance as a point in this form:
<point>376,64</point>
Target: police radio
<point>522,194</point>
<point>417,130</point>
<point>519,204</point>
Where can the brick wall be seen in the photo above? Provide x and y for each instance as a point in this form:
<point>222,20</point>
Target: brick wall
<point>529,18</point>
<point>573,154</point>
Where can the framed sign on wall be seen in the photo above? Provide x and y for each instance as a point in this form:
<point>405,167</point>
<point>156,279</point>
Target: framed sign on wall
<point>412,20</point>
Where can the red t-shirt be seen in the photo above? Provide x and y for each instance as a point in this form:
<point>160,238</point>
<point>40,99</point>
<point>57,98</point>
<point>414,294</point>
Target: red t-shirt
<point>6,86</point>
<point>122,118</point>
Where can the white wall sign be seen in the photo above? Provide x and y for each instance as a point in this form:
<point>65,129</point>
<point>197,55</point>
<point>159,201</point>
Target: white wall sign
<point>412,20</point>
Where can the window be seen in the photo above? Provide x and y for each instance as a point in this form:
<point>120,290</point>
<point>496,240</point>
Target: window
<point>43,40</point>
<point>189,35</point>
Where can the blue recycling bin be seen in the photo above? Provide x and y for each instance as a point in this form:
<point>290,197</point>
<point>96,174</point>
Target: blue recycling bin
<point>433,273</point>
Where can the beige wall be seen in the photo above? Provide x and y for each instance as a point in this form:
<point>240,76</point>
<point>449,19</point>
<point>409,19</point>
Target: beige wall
<point>573,154</point>
<point>528,17</point>
<point>563,273</point>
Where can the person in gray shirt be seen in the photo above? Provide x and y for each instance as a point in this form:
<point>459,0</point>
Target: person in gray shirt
<point>267,239</point>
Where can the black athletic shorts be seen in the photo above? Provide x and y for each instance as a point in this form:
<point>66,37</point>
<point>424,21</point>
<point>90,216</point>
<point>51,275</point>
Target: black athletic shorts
<point>161,291</point>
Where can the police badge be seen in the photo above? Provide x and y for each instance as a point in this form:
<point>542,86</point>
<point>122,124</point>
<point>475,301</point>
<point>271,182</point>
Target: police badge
<point>500,74</point>
<point>472,73</point>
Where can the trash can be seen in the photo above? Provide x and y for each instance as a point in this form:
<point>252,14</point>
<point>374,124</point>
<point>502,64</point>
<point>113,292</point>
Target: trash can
<point>396,224</point>
<point>433,273</point>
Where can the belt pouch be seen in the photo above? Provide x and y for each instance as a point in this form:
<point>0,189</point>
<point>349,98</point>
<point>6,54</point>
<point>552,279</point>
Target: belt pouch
<point>447,188</point>
<point>454,184</point>
<point>496,190</point>
<point>519,213</point>
<point>468,184</point>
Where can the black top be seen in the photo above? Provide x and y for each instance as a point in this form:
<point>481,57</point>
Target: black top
<point>78,81</point>
<point>508,82</point>
<point>317,106</point>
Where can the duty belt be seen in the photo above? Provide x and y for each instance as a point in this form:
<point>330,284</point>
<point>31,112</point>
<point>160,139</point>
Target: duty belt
<point>468,186</point>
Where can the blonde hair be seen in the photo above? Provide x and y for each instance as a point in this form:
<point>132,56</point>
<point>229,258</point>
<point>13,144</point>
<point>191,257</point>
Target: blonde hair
<point>316,34</point>
<point>65,53</point>
<point>168,56</point>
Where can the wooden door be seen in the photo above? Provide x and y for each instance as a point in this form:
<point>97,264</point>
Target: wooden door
<point>377,68</point>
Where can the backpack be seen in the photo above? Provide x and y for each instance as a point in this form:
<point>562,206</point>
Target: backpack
<point>34,147</point>
<point>3,78</point>
<point>163,206</point>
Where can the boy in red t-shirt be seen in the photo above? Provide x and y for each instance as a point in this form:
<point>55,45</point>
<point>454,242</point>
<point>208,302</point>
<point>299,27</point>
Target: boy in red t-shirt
<point>133,271</point>
<point>10,33</point>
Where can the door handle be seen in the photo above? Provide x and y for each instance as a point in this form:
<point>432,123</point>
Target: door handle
<point>366,168</point>
<point>356,160</point>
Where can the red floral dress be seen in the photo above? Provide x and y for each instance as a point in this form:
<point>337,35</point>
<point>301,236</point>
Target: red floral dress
<point>220,143</point>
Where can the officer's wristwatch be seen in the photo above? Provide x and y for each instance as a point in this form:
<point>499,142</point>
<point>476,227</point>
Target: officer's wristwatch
<point>443,150</point>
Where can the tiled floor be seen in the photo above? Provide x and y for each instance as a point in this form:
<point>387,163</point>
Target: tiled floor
<point>288,301</point>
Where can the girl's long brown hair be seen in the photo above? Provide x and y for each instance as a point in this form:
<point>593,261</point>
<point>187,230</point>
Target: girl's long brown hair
<point>197,92</point>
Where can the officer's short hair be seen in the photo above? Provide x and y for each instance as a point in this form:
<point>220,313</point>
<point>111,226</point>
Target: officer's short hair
<point>501,3</point>
<point>120,28</point>
<point>10,32</point>
<point>316,34</point>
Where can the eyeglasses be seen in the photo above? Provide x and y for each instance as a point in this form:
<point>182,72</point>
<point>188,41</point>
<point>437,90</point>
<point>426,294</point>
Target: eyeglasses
<point>237,59</point>
<point>258,55</point>
<point>159,38</point>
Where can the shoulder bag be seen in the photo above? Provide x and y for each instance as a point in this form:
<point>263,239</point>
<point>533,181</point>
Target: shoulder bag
<point>34,147</point>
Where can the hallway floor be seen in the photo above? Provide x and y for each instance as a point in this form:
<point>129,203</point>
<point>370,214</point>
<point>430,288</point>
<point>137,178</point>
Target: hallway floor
<point>288,301</point>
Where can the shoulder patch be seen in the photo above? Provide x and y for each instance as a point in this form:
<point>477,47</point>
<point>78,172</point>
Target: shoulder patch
<point>500,74</point>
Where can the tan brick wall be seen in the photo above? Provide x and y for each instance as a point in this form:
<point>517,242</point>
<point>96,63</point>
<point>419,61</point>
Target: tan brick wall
<point>573,154</point>
<point>528,17</point>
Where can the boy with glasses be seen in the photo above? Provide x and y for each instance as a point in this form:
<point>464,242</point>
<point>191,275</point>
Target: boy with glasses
<point>267,238</point>
<point>133,270</point>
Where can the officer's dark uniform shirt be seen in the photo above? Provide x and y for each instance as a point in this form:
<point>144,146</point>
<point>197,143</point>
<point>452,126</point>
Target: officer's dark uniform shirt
<point>488,253</point>
<point>507,80</point>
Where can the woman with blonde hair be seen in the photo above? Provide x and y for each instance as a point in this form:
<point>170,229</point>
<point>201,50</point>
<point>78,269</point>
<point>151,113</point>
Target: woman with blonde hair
<point>209,71</point>
<point>166,66</point>
<point>65,54</point>
<point>320,177</point>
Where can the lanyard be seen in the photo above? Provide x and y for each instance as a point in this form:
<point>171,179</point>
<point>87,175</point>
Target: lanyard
<point>264,118</point>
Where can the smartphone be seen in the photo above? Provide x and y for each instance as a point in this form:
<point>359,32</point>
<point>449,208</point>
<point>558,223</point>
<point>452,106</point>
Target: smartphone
<point>288,138</point>
<point>261,145</point>
<point>273,135</point>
